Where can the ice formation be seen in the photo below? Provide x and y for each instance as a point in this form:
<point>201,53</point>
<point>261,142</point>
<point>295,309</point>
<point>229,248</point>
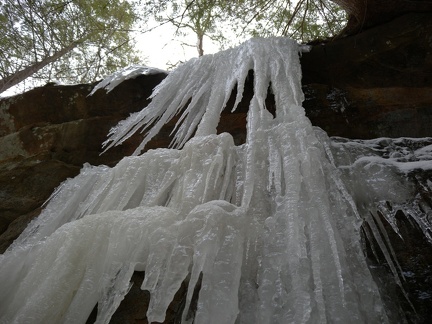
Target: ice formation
<point>269,227</point>
<point>131,72</point>
<point>385,176</point>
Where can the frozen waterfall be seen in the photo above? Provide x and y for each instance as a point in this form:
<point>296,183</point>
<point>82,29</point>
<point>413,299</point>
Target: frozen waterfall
<point>268,228</point>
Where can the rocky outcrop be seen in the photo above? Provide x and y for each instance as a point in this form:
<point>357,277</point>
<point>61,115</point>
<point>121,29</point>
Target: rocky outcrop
<point>366,14</point>
<point>48,133</point>
<point>374,84</point>
<point>377,83</point>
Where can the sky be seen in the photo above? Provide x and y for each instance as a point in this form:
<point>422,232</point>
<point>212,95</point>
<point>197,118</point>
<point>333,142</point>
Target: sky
<point>161,48</point>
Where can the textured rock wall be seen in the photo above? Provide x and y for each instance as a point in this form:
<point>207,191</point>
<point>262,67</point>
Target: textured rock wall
<point>48,133</point>
<point>377,83</point>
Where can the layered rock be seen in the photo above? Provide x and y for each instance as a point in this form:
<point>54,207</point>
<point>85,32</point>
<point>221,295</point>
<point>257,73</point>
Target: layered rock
<point>48,133</point>
<point>374,84</point>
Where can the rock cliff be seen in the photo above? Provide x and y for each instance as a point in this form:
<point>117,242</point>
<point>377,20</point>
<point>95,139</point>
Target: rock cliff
<point>48,133</point>
<point>374,84</point>
<point>377,83</point>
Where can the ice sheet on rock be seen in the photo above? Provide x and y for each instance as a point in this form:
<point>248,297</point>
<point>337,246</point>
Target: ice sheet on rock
<point>379,175</point>
<point>267,228</point>
<point>151,196</point>
<point>200,89</point>
<point>131,72</point>
<point>79,265</point>
<point>160,178</point>
<point>405,153</point>
<point>305,235</point>
<point>382,168</point>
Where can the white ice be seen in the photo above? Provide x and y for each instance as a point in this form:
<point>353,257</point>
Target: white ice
<point>130,72</point>
<point>385,171</point>
<point>269,225</point>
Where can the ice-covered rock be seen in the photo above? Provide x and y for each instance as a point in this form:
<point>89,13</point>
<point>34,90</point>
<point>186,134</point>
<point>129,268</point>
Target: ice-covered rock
<point>130,72</point>
<point>268,229</point>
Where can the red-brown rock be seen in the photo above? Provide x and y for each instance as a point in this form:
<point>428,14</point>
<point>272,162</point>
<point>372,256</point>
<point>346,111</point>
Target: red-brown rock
<point>48,133</point>
<point>377,83</point>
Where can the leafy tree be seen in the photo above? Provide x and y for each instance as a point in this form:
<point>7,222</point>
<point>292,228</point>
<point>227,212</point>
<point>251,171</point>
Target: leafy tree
<point>67,40</point>
<point>303,20</point>
<point>228,21</point>
<point>202,17</point>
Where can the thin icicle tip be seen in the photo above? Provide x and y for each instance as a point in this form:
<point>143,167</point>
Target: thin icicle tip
<point>200,89</point>
<point>130,72</point>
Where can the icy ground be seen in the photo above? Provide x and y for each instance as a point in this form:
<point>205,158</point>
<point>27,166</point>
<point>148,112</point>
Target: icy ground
<point>272,225</point>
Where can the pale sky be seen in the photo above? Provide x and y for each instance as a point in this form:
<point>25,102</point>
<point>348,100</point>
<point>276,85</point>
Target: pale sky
<point>160,47</point>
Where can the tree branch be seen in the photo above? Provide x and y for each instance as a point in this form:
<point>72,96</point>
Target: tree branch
<point>19,76</point>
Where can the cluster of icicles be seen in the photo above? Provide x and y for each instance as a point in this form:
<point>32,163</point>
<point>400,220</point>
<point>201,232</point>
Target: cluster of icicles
<point>267,227</point>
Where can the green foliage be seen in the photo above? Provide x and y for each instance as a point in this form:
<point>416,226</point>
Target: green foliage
<point>229,21</point>
<point>202,17</point>
<point>89,39</point>
<point>94,34</point>
<point>302,20</point>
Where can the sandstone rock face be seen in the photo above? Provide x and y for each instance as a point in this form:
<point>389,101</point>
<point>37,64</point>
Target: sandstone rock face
<point>48,133</point>
<point>377,83</point>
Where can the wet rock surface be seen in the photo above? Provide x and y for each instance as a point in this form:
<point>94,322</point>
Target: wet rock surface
<point>374,84</point>
<point>397,233</point>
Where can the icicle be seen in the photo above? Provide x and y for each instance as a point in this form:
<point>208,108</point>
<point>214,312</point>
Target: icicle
<point>388,252</point>
<point>267,228</point>
<point>131,72</point>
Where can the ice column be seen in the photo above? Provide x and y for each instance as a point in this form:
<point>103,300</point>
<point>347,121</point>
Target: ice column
<point>267,228</point>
